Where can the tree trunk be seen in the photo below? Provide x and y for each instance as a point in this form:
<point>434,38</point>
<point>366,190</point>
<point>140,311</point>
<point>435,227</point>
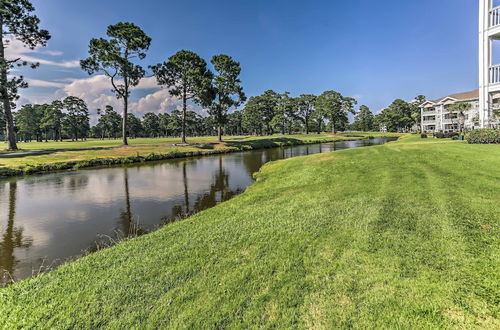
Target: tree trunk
<point>219,133</point>
<point>11,134</point>
<point>307,124</point>
<point>125,115</point>
<point>333,126</point>
<point>184,109</point>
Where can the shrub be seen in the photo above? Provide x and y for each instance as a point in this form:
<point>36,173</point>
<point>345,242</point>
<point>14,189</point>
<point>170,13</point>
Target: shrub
<point>454,137</point>
<point>447,135</point>
<point>423,136</point>
<point>483,136</point>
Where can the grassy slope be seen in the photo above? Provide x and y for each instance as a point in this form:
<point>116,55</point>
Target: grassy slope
<point>35,154</point>
<point>372,237</point>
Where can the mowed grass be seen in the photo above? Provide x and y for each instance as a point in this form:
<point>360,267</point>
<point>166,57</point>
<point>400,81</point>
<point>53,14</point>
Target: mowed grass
<point>404,235</point>
<point>46,153</point>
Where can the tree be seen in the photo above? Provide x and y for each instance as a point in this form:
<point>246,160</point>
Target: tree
<point>28,122</point>
<point>305,108</point>
<point>16,22</point>
<point>226,88</point>
<point>234,123</point>
<point>151,125</point>
<point>134,127</point>
<point>460,108</point>
<point>164,119</point>
<point>187,76</point>
<point>52,120</point>
<point>364,119</point>
<point>76,120</point>
<point>114,58</point>
<point>335,107</point>
<point>109,122</point>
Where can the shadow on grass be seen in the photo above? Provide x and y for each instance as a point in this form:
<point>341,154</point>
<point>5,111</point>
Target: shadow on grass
<point>28,153</point>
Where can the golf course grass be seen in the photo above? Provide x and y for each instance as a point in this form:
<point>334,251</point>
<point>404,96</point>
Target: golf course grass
<point>403,235</point>
<point>37,157</point>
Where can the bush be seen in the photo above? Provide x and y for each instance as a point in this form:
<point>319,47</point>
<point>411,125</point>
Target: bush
<point>447,135</point>
<point>423,136</point>
<point>454,137</point>
<point>483,136</point>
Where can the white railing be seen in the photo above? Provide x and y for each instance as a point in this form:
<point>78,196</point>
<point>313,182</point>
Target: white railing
<point>495,16</point>
<point>495,74</point>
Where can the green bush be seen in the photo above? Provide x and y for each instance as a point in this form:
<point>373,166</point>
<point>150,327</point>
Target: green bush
<point>423,136</point>
<point>483,136</point>
<point>447,135</point>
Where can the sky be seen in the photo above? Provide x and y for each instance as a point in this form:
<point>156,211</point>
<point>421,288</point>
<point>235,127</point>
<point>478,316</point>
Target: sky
<point>375,51</point>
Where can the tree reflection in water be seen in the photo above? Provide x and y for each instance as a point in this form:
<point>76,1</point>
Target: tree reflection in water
<point>219,191</point>
<point>12,238</point>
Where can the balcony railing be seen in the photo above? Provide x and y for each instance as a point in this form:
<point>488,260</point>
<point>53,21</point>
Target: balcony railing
<point>495,16</point>
<point>495,74</point>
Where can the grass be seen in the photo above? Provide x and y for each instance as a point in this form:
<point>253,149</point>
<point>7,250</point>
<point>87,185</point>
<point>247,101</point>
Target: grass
<point>403,235</point>
<point>35,157</point>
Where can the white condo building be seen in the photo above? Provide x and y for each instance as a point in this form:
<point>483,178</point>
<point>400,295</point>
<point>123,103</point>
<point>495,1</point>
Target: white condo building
<point>435,115</point>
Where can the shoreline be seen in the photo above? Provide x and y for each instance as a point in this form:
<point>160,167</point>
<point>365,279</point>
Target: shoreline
<point>234,146</point>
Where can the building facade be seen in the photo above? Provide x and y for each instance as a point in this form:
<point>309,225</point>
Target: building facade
<point>436,116</point>
<point>489,72</point>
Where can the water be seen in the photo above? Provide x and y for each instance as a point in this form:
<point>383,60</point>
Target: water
<point>47,219</point>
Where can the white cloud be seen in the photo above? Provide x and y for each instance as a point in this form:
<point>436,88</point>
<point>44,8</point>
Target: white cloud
<point>44,83</point>
<point>97,92</point>
<point>15,49</point>
<point>159,101</point>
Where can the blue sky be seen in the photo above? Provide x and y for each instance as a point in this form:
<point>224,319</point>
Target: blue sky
<point>375,51</point>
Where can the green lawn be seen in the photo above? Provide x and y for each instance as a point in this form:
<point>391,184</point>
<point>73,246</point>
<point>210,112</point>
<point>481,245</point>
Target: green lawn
<point>44,156</point>
<point>404,235</point>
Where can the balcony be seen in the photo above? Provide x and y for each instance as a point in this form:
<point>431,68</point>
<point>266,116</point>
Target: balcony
<point>494,17</point>
<point>495,74</point>
<point>431,112</point>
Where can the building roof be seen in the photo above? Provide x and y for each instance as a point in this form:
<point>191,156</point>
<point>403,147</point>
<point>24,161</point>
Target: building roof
<point>461,96</point>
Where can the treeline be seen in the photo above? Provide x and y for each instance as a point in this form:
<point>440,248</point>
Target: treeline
<point>265,114</point>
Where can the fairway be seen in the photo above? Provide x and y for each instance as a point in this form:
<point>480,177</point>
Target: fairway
<point>403,235</point>
<point>37,157</point>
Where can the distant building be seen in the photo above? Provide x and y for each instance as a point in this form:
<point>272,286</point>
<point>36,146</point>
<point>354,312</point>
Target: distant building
<point>437,117</point>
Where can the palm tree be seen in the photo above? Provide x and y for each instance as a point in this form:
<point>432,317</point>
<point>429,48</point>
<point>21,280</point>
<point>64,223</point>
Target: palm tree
<point>461,108</point>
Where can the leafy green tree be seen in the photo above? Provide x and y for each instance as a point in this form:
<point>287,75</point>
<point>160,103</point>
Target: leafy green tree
<point>305,108</point>
<point>151,124</point>
<point>164,119</point>
<point>363,120</point>
<point>114,57</point>
<point>134,127</point>
<point>52,120</point>
<point>109,122</point>
<point>226,88</point>
<point>234,123</point>
<point>398,116</point>
<point>16,22</point>
<point>335,108</point>
<point>76,120</point>
<point>175,123</point>
<point>187,76</point>
<point>460,108</point>
<point>259,112</point>
<point>28,122</point>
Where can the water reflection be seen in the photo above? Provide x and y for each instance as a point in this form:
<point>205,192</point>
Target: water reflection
<point>12,238</point>
<point>56,216</point>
